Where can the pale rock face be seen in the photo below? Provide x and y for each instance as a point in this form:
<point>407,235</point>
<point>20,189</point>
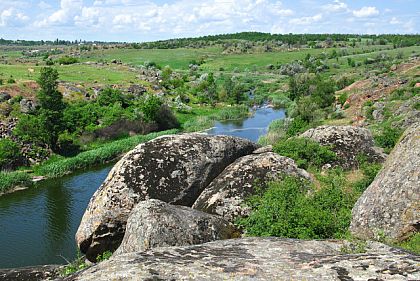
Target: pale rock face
<point>226,194</point>
<point>258,259</point>
<point>348,142</point>
<point>391,204</point>
<point>174,169</point>
<point>154,223</point>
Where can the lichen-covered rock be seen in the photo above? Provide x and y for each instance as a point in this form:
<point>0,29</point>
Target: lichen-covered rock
<point>391,204</point>
<point>32,273</point>
<point>154,223</point>
<point>174,169</point>
<point>258,259</point>
<point>348,142</point>
<point>226,194</point>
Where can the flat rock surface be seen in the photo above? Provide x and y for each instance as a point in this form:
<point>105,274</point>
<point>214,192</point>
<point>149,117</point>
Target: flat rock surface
<point>226,194</point>
<point>390,206</point>
<point>154,223</point>
<point>258,259</point>
<point>32,273</point>
<point>174,169</point>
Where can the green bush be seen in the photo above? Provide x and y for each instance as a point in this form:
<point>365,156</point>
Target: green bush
<point>388,138</point>
<point>306,152</point>
<point>287,209</point>
<point>66,60</point>
<point>343,98</point>
<point>9,152</point>
<point>104,256</point>
<point>370,170</point>
<point>296,126</point>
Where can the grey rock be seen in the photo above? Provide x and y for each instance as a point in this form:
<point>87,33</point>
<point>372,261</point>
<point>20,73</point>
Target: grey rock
<point>264,149</point>
<point>154,223</point>
<point>258,259</point>
<point>27,106</point>
<point>4,96</point>
<point>33,273</point>
<point>348,142</point>
<point>226,194</point>
<point>136,90</point>
<point>391,204</point>
<point>174,169</point>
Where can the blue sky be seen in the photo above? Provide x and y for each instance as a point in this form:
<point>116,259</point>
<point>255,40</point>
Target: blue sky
<point>145,20</point>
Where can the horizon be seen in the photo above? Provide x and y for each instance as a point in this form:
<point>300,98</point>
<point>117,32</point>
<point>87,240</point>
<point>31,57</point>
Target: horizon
<point>125,21</point>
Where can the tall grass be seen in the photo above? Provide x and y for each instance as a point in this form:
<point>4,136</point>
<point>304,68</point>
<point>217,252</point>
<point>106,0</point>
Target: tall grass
<point>100,155</point>
<point>205,122</point>
<point>9,180</point>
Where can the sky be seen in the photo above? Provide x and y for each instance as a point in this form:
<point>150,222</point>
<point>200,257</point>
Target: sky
<point>149,20</point>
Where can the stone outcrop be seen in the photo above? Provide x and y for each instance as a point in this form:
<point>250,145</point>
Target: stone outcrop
<point>226,194</point>
<point>391,204</point>
<point>154,223</point>
<point>32,273</point>
<point>258,259</point>
<point>348,143</point>
<point>174,169</point>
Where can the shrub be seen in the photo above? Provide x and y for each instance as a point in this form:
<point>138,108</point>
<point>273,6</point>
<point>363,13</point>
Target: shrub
<point>296,126</point>
<point>343,98</point>
<point>9,153</point>
<point>388,138</point>
<point>306,152</point>
<point>11,80</point>
<point>110,96</point>
<point>66,60</point>
<point>286,209</point>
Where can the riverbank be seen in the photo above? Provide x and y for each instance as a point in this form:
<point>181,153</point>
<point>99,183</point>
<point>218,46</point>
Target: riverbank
<point>198,119</point>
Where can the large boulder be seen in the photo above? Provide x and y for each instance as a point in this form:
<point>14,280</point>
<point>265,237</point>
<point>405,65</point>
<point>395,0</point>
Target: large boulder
<point>226,194</point>
<point>258,259</point>
<point>154,223</point>
<point>174,169</point>
<point>348,142</point>
<point>390,206</point>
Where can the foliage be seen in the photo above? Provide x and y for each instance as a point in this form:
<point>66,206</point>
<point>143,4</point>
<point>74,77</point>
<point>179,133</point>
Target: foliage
<point>412,244</point>
<point>9,152</point>
<point>104,256</point>
<point>66,60</point>
<point>110,96</point>
<point>77,264</point>
<point>293,208</point>
<point>9,180</point>
<point>150,107</point>
<point>388,138</point>
<point>306,152</point>
<point>369,170</point>
<point>31,128</point>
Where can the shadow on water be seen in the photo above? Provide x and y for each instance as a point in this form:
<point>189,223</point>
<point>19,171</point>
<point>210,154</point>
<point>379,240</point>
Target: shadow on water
<point>38,224</point>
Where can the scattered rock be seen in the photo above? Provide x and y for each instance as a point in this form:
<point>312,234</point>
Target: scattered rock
<point>348,143</point>
<point>4,96</point>
<point>136,90</point>
<point>154,223</point>
<point>174,169</point>
<point>258,259</point>
<point>391,204</point>
<point>27,106</point>
<point>226,194</point>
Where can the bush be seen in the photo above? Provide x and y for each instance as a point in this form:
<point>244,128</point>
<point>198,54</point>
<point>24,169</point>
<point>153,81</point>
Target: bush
<point>9,153</point>
<point>286,209</point>
<point>110,96</point>
<point>388,138</point>
<point>11,80</point>
<point>66,60</point>
<point>306,152</point>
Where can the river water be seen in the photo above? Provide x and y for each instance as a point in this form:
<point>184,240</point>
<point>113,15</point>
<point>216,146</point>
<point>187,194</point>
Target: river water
<point>37,225</point>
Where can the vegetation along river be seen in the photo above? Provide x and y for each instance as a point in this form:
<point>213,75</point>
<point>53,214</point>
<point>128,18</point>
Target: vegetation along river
<point>38,225</point>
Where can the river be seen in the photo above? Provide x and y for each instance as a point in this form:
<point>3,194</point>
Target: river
<point>38,224</point>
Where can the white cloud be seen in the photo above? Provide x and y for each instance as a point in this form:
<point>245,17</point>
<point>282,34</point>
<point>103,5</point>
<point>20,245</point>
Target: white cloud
<point>366,12</point>
<point>394,20</point>
<point>12,17</point>
<point>336,7</point>
<point>306,20</point>
<point>69,9</point>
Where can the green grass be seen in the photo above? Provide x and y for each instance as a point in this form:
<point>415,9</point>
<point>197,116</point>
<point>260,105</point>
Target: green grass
<point>412,244</point>
<point>9,180</point>
<point>102,154</point>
